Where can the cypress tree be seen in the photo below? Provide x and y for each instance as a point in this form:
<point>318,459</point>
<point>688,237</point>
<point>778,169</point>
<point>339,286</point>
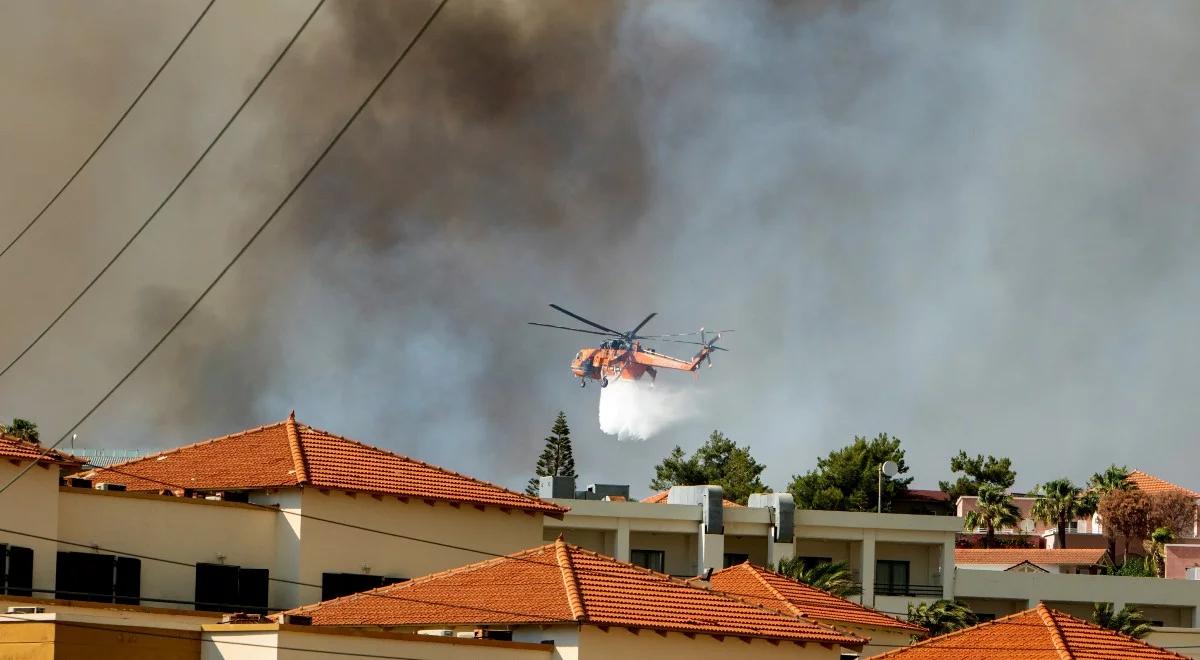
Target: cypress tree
<point>557,459</point>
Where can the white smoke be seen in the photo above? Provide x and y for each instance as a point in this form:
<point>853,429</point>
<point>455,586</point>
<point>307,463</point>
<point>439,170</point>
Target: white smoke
<point>637,410</point>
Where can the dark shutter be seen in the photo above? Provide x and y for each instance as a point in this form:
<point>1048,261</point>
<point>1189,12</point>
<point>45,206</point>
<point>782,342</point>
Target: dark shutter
<point>336,585</point>
<point>128,584</point>
<point>216,587</point>
<point>253,587</point>
<point>84,576</point>
<point>20,571</point>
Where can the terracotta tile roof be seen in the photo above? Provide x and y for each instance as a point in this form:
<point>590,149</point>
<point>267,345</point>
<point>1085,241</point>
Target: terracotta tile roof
<point>770,589</point>
<point>1153,484</point>
<point>562,583</point>
<point>1037,634</point>
<point>15,448</point>
<point>661,498</point>
<point>289,453</point>
<point>1043,557</point>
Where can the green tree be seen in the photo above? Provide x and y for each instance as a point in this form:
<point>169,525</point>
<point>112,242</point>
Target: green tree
<point>941,616</point>
<point>1128,620</point>
<point>847,479</point>
<point>557,459</point>
<point>993,510</point>
<point>834,577</point>
<point>21,428</point>
<point>977,472</point>
<point>1058,503</point>
<point>719,462</point>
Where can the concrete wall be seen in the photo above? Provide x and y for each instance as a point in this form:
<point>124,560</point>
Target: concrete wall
<point>997,607</point>
<point>83,642</point>
<point>680,549</point>
<point>1180,558</point>
<point>27,641</point>
<point>1185,641</point>
<point>597,644</point>
<point>754,546</point>
<point>882,639</point>
<point>180,529</point>
<point>31,505</point>
<point>329,547</point>
<point>1080,589</point>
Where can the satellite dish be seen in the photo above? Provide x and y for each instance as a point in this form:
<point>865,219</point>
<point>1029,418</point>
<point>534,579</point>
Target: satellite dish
<point>890,468</point>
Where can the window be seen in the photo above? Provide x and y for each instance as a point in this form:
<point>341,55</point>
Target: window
<point>651,559</point>
<point>984,618</point>
<point>891,577</point>
<point>16,570</point>
<point>336,585</point>
<point>735,558</point>
<point>98,578</point>
<point>224,588</point>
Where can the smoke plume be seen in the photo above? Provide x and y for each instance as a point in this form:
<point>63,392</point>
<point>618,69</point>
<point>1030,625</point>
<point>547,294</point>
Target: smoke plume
<point>968,225</point>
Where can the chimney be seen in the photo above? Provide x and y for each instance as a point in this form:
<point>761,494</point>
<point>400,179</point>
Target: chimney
<point>560,488</point>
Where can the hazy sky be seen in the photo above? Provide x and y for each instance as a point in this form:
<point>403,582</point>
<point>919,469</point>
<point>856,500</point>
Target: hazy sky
<point>971,225</point>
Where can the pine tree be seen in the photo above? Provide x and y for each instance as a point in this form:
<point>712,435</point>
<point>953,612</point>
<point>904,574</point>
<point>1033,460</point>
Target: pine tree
<point>557,459</point>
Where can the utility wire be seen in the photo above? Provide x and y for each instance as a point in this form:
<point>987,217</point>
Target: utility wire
<point>170,195</point>
<point>258,232</point>
<point>110,132</point>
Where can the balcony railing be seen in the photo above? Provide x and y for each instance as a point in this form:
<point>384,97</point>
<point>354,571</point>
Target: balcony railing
<point>934,590</point>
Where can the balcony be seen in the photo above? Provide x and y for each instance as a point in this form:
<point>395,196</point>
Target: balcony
<point>910,590</point>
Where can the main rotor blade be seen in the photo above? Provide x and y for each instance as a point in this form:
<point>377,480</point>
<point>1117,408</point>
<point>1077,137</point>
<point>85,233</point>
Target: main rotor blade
<point>563,327</point>
<point>683,334</point>
<point>633,333</point>
<point>694,343</point>
<point>591,323</point>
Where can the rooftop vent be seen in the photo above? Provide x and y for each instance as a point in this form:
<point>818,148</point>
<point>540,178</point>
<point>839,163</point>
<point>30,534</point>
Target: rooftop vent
<point>104,485</point>
<point>26,609</point>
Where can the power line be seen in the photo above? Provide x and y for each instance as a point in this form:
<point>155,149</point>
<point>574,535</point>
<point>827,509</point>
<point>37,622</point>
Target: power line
<point>110,132</point>
<point>169,196</point>
<point>262,227</point>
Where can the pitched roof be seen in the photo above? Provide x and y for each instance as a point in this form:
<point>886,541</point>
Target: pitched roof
<point>16,448</point>
<point>562,583</point>
<point>289,453</point>
<point>1037,634</point>
<point>770,589</point>
<point>661,498</point>
<point>1153,484</point>
<point>1040,556</point>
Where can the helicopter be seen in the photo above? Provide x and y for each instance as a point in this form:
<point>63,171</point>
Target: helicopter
<point>624,356</point>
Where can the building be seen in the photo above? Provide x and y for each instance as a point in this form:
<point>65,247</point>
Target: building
<point>265,519</point>
<point>584,605</point>
<point>1085,561</point>
<point>767,588</point>
<point>1040,633</point>
<point>897,558</point>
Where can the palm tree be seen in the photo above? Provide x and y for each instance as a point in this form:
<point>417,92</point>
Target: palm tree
<point>1114,477</point>
<point>832,576</point>
<point>1058,503</point>
<point>21,428</point>
<point>941,616</point>
<point>1128,621</point>
<point>1155,545</point>
<point>993,510</point>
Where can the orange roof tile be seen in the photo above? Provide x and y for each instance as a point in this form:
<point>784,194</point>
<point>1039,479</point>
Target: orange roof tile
<point>1037,634</point>
<point>1043,557</point>
<point>289,453</point>
<point>562,583</point>
<point>770,589</point>
<point>15,448</point>
<point>1153,484</point>
<point>661,498</point>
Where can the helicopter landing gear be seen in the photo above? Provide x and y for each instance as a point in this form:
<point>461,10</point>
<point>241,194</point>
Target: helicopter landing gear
<point>583,382</point>
<point>603,383</point>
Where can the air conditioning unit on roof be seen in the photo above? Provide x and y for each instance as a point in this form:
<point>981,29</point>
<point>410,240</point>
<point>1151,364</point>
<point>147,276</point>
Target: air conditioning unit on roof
<point>436,632</point>
<point>26,609</point>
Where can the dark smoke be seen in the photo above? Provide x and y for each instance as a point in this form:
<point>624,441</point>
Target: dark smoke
<point>968,225</point>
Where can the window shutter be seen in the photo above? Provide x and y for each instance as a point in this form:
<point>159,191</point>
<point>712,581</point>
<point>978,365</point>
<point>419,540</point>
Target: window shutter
<point>20,571</point>
<point>84,576</point>
<point>127,587</point>
<point>216,587</point>
<point>253,588</point>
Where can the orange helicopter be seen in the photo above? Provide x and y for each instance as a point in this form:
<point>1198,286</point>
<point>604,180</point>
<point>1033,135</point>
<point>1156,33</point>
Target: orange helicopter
<point>624,356</point>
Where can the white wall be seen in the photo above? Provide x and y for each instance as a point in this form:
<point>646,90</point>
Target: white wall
<point>31,505</point>
<point>180,529</point>
<point>597,644</point>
